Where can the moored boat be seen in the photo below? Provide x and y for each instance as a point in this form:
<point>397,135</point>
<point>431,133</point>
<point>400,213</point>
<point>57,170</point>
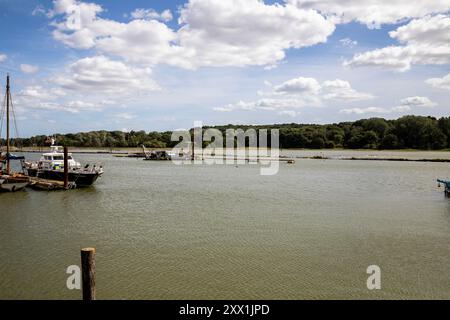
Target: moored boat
<point>10,182</point>
<point>51,167</point>
<point>13,183</point>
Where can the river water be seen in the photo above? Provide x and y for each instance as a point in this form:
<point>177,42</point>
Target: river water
<point>225,232</point>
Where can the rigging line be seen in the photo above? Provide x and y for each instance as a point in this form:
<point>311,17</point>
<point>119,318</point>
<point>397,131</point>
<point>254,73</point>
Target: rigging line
<point>3,115</point>
<point>14,117</point>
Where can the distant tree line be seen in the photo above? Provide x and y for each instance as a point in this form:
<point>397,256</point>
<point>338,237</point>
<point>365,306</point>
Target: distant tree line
<point>411,132</point>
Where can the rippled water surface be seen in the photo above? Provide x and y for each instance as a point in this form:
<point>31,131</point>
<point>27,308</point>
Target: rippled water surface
<point>226,232</point>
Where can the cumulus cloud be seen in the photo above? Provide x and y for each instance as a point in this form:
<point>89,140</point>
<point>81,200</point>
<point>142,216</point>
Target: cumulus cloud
<point>441,83</point>
<point>298,93</point>
<point>41,93</point>
<point>426,41</point>
<point>101,74</point>
<point>374,13</point>
<point>54,99</point>
<point>406,105</point>
<point>341,90</point>
<point>3,57</point>
<point>152,14</point>
<point>27,68</point>
<point>299,85</point>
<point>420,102</point>
<point>211,33</point>
<point>84,84</point>
<point>248,32</point>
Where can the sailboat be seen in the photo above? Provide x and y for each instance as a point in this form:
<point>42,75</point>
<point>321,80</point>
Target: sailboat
<point>10,182</point>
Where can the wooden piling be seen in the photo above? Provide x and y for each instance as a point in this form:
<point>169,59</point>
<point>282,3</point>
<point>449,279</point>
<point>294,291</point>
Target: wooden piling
<point>88,273</point>
<point>66,168</point>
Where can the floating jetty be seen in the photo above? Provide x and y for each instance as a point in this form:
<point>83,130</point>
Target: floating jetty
<point>50,185</point>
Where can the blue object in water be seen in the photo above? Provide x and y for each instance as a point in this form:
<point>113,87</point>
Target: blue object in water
<point>14,157</point>
<point>446,184</point>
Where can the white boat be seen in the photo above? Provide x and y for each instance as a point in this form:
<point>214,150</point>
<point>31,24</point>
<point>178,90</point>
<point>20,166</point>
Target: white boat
<point>53,160</point>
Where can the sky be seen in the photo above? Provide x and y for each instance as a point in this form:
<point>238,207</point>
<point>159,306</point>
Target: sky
<point>161,65</point>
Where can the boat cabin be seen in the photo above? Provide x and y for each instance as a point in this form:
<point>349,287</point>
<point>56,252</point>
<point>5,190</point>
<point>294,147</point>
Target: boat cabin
<point>54,160</point>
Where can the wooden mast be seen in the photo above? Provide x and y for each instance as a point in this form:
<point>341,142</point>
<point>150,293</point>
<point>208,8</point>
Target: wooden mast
<point>8,167</point>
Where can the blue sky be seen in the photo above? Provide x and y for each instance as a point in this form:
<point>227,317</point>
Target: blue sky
<point>161,65</point>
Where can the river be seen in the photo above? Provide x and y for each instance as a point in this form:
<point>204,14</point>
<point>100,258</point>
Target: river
<point>225,232</point>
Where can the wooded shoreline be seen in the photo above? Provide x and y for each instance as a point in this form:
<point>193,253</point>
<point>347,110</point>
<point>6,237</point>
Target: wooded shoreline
<point>408,132</point>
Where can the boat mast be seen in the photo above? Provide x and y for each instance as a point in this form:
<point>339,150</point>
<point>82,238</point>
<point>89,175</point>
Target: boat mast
<point>8,168</point>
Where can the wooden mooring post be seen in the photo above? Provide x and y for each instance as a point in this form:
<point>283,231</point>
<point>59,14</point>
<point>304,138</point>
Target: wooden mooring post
<point>88,273</point>
<point>66,168</point>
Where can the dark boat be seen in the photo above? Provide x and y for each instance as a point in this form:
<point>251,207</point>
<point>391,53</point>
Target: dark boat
<point>81,178</point>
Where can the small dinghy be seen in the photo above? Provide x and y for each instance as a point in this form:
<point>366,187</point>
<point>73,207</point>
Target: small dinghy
<point>13,183</point>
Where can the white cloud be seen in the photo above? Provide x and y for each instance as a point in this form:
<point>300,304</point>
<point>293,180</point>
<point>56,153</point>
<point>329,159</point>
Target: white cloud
<point>299,86</point>
<point>299,93</point>
<point>27,68</point>
<point>349,43</point>
<point>3,57</point>
<point>426,41</point>
<point>441,83</point>
<point>151,14</point>
<point>400,109</point>
<point>101,74</point>
<point>56,99</point>
<point>39,92</point>
<point>247,32</point>
<point>406,105</point>
<point>360,111</point>
<point>374,13</point>
<point>84,85</point>
<point>420,102</point>
<point>228,108</point>
<point>211,33</point>
<point>341,90</point>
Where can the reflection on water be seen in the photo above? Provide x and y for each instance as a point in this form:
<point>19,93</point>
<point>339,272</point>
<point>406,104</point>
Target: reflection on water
<point>221,232</point>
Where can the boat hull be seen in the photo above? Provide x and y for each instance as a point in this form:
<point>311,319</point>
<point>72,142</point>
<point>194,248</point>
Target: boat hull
<point>13,186</point>
<point>80,178</point>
